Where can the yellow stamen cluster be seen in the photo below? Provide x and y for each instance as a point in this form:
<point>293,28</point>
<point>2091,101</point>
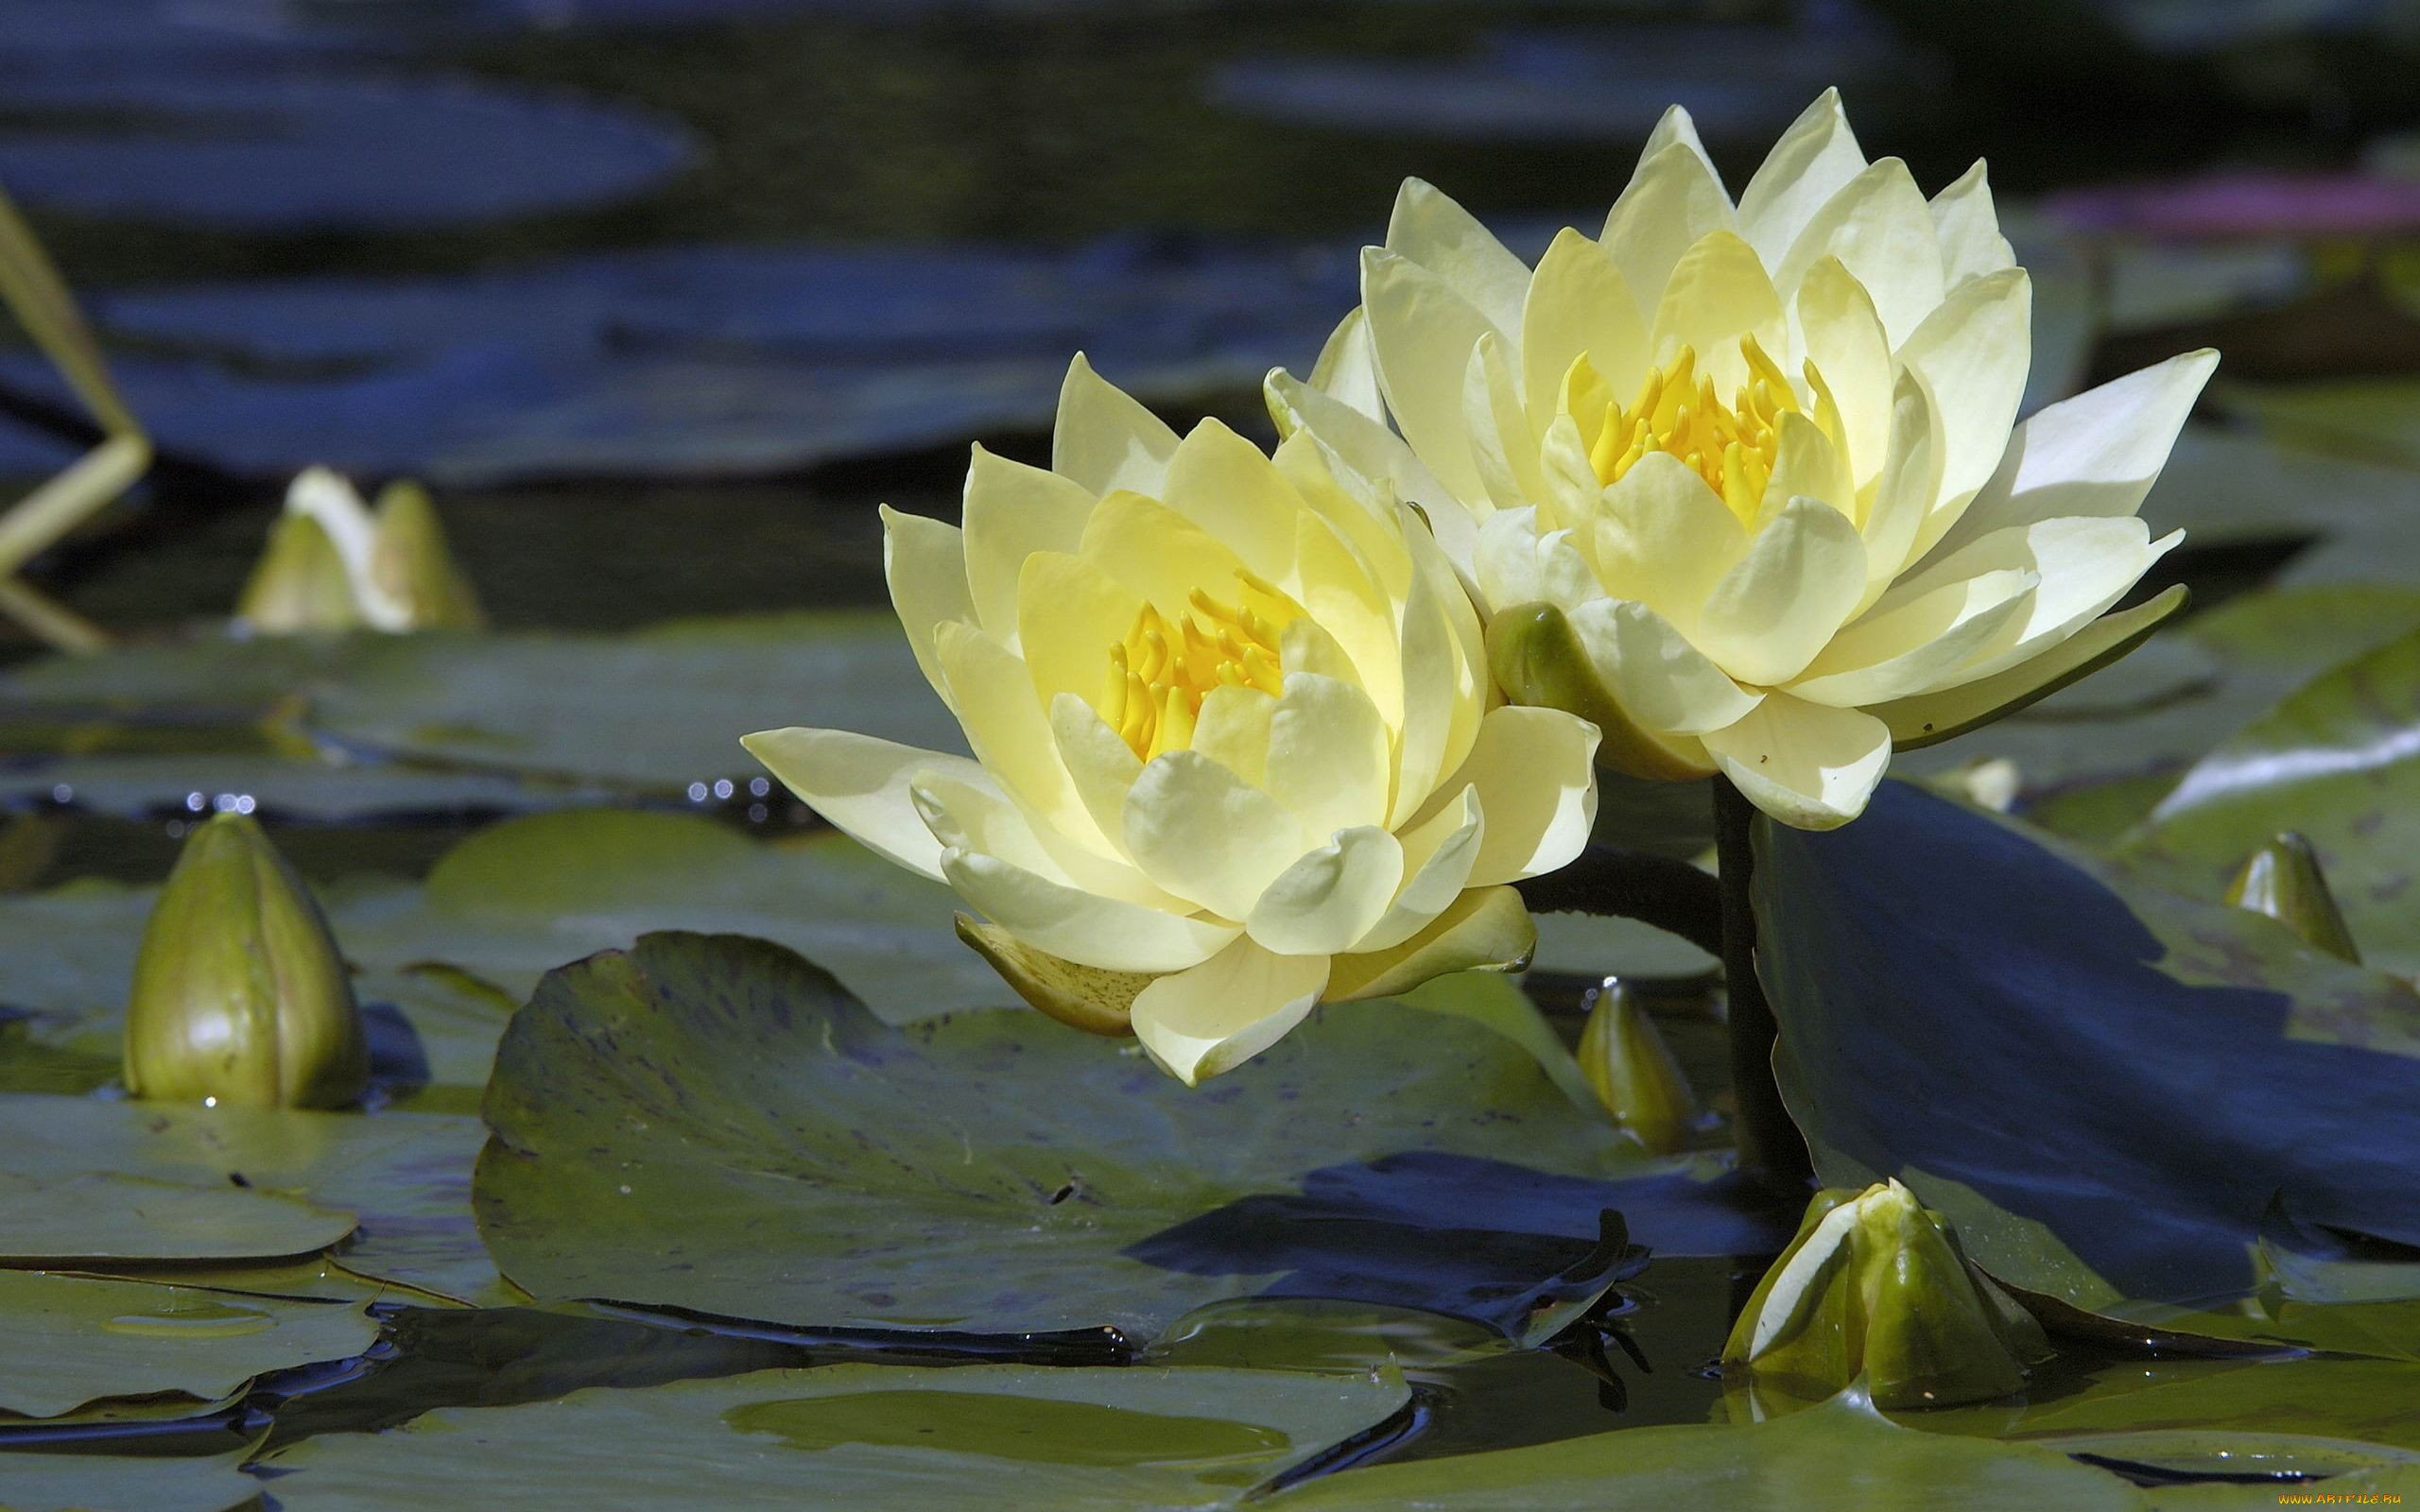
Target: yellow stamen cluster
<point>1159,674</point>
<point>1732,447</point>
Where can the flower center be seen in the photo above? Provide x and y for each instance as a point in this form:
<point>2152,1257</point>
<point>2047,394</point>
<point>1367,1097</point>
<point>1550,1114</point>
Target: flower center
<point>1732,446</point>
<point>1160,673</point>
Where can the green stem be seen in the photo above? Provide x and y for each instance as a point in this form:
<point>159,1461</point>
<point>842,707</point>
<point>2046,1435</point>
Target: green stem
<point>1770,1146</point>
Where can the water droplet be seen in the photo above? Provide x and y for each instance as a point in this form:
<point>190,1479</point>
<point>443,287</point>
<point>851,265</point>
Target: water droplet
<point>63,794</point>
<point>696,792</point>
<point>722,787</point>
<point>758,788</point>
<point>196,802</point>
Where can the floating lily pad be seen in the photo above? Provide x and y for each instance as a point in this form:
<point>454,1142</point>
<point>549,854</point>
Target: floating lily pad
<point>864,1437</point>
<point>653,711</point>
<point>453,722</point>
<point>1841,1456</point>
<point>2339,762</point>
<point>2108,1089</point>
<point>92,1483</point>
<point>2363,1401</point>
<point>67,1341</point>
<point>233,1184</point>
<point>712,1123</point>
<point>62,1209</point>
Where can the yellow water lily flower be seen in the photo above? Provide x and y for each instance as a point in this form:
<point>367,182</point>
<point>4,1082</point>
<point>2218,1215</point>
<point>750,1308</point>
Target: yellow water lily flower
<point>1743,481</point>
<point>1234,752</point>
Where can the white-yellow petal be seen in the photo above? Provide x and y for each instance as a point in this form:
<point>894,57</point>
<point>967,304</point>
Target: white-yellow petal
<point>1503,446</point>
<point>1100,765</point>
<point>1845,342</point>
<point>1673,202</point>
<point>1807,765</point>
<point>1579,304</point>
<point>1913,646</point>
<point>1438,854</point>
<point>1010,733</point>
<point>1197,1023</point>
<point>1012,511</point>
<point>1069,613</point>
<point>1904,493</point>
<point>1535,775</point>
<point>1660,680</point>
<point>1439,235</point>
<point>2096,454</point>
<point>1328,755</point>
<point>1879,228</point>
<point>1330,897</point>
<point>1970,228</point>
<point>1814,159</point>
<point>1719,293</point>
<point>1105,441</point>
<point>1666,540</point>
<point>1205,835</point>
<point>1233,729</point>
<point>1081,926</point>
<point>1424,332</point>
<point>862,785</point>
<point>1973,353</point>
<point>1798,583</point>
<point>1346,370</point>
<point>924,560</point>
<point>1809,466</point>
<point>1227,486</point>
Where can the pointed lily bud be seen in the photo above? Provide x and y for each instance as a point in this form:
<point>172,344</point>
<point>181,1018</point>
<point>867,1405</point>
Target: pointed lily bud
<point>239,994</point>
<point>1538,660</point>
<point>2283,881</point>
<point>300,585</point>
<point>1626,1059</point>
<point>411,564</point>
<point>1876,1285</point>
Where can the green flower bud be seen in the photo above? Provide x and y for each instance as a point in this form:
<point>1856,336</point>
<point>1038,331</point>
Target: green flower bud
<point>1625,1058</point>
<point>1538,660</point>
<point>300,584</point>
<point>239,994</point>
<point>2283,881</point>
<point>411,564</point>
<point>1876,1285</point>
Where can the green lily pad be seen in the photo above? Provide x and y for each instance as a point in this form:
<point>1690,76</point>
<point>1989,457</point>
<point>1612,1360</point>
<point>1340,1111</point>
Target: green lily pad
<point>454,722</point>
<point>712,1123</point>
<point>62,1209</point>
<point>455,956</point>
<point>519,898</point>
<point>2367,1401</point>
<point>864,1437</point>
<point>67,1341</point>
<point>406,1175</point>
<point>2339,762</point>
<point>2114,1092</point>
<point>653,711</point>
<point>1841,1457</point>
<point>93,1483</point>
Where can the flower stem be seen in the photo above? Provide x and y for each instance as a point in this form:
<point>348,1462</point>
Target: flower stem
<point>1771,1148</point>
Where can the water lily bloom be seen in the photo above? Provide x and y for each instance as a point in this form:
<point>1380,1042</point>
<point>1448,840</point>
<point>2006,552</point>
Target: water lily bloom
<point>240,993</point>
<point>1234,752</point>
<point>333,564</point>
<point>1741,481</point>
